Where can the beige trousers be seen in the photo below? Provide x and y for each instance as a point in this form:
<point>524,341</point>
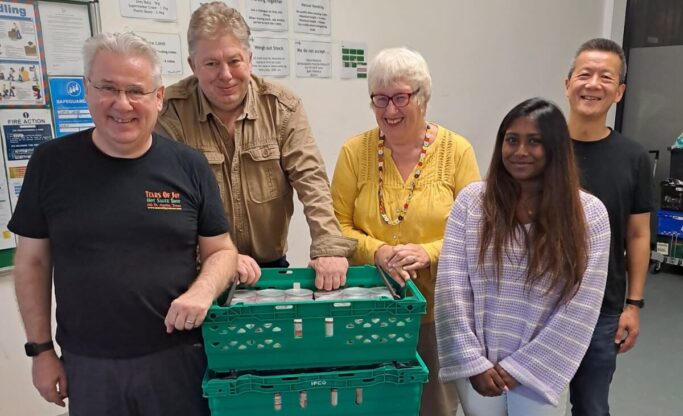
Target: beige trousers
<point>437,399</point>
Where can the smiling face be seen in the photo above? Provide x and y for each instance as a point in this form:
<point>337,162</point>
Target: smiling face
<point>223,69</point>
<point>396,121</point>
<point>594,84</point>
<point>523,152</point>
<point>123,128</point>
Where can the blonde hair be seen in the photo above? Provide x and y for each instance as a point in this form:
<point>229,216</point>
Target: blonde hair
<point>215,19</point>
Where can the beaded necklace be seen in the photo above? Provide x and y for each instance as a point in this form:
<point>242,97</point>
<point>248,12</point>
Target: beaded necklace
<point>380,171</point>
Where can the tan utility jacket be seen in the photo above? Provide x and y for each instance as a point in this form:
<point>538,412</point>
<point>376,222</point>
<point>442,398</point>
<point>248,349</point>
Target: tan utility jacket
<point>274,153</point>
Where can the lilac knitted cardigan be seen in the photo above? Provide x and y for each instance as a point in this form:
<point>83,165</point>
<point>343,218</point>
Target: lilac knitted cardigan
<point>480,323</point>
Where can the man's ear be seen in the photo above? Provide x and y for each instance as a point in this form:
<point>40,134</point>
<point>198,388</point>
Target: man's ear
<point>620,93</point>
<point>191,63</point>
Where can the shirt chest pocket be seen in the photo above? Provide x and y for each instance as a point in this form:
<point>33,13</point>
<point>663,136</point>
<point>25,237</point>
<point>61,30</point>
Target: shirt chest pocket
<point>264,177</point>
<point>217,163</point>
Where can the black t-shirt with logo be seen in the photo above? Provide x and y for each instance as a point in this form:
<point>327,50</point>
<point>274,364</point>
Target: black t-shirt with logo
<point>617,170</point>
<point>123,237</point>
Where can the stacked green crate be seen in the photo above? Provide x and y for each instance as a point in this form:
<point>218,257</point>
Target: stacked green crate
<point>307,337</point>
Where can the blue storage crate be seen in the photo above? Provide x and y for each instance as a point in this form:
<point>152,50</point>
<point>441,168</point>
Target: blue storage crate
<point>670,223</point>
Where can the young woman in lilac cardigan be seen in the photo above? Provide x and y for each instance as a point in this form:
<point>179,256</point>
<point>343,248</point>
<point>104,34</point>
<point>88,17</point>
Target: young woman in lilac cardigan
<point>522,272</point>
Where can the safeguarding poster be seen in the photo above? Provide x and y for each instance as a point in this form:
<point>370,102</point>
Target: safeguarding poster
<point>21,81</point>
<point>69,108</point>
<point>22,131</point>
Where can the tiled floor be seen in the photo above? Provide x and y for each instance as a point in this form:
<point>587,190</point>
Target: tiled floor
<point>647,379</point>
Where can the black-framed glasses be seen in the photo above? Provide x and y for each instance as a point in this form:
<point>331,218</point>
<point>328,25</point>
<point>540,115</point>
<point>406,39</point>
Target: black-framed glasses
<point>400,100</point>
<point>132,93</point>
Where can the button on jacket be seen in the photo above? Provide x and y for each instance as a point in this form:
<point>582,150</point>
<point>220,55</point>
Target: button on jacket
<point>273,153</point>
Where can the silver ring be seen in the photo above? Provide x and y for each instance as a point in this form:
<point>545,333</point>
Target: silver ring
<point>189,322</point>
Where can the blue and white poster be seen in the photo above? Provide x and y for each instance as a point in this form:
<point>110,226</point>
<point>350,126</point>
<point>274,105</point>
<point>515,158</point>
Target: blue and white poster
<point>70,110</point>
<point>22,131</point>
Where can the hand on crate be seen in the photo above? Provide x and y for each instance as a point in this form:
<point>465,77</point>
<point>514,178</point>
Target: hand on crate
<point>188,310</point>
<point>330,272</point>
<point>383,257</point>
<point>248,271</point>
<point>409,257</point>
<point>489,383</point>
<point>49,377</point>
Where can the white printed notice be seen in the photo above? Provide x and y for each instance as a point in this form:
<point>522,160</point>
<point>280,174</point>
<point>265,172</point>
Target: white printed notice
<point>149,9</point>
<point>194,4</point>
<point>270,57</point>
<point>353,60</point>
<point>167,46</point>
<point>65,29</point>
<point>21,73</point>
<point>22,131</point>
<point>267,15</point>
<point>312,16</point>
<point>313,59</point>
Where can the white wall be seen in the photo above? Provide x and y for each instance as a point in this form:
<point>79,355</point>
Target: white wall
<point>485,57</point>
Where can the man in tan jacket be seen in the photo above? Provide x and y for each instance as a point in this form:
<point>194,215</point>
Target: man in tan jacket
<point>256,137</point>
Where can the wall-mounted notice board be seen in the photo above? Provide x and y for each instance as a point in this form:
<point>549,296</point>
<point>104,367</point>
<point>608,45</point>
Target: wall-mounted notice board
<point>41,88</point>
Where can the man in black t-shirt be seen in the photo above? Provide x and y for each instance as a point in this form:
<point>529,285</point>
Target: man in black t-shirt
<point>117,215</point>
<point>617,171</point>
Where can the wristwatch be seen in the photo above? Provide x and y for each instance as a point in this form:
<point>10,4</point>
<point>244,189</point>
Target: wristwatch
<point>33,349</point>
<point>636,302</point>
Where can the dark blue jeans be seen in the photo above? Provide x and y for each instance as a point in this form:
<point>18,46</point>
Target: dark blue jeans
<point>589,390</point>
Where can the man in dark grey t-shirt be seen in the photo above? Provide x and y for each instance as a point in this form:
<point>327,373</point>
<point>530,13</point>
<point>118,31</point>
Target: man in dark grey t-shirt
<point>617,171</point>
<point>118,215</point>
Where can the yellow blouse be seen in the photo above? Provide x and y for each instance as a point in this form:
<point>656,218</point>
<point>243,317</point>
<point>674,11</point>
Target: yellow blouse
<point>449,166</point>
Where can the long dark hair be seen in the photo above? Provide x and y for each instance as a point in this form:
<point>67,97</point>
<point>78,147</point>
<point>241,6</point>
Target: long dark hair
<point>557,245</point>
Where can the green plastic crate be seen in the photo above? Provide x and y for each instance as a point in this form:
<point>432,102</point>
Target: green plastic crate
<point>262,336</point>
<point>383,390</point>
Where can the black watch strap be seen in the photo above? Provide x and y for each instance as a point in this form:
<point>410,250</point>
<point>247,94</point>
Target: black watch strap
<point>636,302</point>
<point>33,349</point>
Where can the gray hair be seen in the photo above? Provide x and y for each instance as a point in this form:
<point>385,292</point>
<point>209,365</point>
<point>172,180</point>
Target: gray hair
<point>127,43</point>
<point>402,64</point>
<point>216,19</point>
<point>602,45</point>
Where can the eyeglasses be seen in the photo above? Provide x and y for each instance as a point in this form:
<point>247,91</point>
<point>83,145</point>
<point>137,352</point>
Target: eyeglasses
<point>400,100</point>
<point>132,94</point>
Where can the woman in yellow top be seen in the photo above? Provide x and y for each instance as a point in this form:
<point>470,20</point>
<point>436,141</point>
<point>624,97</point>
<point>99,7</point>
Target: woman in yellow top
<point>393,188</point>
